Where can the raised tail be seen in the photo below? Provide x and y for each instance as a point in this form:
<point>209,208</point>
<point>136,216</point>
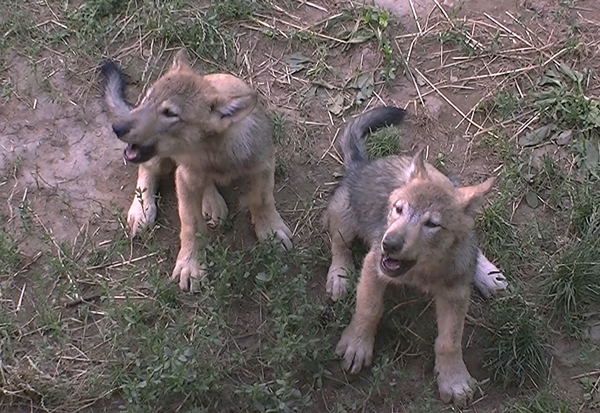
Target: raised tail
<point>353,144</point>
<point>114,88</point>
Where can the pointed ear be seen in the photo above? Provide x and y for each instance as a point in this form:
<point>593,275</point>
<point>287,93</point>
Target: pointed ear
<point>181,62</point>
<point>232,109</point>
<point>474,196</point>
<point>417,167</point>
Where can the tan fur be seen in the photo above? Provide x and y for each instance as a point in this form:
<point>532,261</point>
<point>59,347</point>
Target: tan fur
<point>432,223</point>
<point>215,130</point>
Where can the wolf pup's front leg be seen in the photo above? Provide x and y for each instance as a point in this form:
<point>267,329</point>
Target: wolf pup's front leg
<point>358,339</point>
<point>187,268</point>
<point>142,212</point>
<point>266,219</point>
<point>455,384</point>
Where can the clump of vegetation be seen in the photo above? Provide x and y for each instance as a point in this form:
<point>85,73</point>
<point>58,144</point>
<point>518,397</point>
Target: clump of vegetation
<point>517,354</point>
<point>383,142</point>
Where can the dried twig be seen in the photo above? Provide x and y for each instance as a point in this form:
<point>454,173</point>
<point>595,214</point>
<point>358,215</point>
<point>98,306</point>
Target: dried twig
<point>447,100</point>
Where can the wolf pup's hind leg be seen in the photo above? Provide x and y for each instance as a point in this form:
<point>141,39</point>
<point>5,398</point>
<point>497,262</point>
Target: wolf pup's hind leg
<point>214,207</point>
<point>488,279</point>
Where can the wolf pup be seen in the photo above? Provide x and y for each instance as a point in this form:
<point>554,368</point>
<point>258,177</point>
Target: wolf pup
<point>215,130</point>
<point>420,231</point>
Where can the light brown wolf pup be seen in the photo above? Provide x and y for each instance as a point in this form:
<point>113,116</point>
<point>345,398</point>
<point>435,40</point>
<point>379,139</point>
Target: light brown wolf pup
<point>215,130</point>
<point>420,231</point>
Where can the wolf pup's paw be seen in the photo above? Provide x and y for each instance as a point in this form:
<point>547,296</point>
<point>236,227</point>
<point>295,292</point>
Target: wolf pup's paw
<point>214,207</point>
<point>274,226</point>
<point>141,215</point>
<point>337,282</point>
<point>488,279</point>
<point>189,273</point>
<point>456,386</point>
<point>356,348</point>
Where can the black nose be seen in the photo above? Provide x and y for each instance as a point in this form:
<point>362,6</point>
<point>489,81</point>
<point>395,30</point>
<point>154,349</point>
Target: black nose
<point>121,129</point>
<point>392,243</point>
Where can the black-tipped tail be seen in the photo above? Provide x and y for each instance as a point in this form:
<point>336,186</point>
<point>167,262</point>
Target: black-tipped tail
<point>352,140</point>
<point>114,88</point>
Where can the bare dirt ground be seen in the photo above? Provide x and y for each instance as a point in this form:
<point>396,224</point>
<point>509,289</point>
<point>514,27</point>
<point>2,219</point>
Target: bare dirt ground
<point>65,190</point>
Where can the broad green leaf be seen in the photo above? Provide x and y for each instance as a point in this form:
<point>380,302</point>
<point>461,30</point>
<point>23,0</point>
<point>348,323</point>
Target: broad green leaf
<point>537,136</point>
<point>296,61</point>
<point>563,138</point>
<point>532,199</point>
<point>357,38</point>
<point>335,104</point>
<point>264,276</point>
<point>570,73</point>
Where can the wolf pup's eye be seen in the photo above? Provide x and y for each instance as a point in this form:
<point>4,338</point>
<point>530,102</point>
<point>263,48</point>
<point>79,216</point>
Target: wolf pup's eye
<point>430,224</point>
<point>169,113</point>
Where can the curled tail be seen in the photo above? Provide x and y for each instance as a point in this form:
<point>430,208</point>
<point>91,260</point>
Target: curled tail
<point>114,88</point>
<point>352,140</point>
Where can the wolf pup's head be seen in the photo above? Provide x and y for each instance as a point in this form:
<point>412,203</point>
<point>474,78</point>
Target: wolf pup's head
<point>427,218</point>
<point>181,110</point>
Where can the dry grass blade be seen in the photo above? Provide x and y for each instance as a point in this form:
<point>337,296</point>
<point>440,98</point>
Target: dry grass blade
<point>460,112</point>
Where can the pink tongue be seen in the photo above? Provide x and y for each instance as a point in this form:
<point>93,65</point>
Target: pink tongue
<point>391,264</point>
<point>131,152</point>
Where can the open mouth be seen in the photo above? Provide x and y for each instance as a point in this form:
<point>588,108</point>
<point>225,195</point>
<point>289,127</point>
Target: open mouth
<point>138,153</point>
<point>395,268</point>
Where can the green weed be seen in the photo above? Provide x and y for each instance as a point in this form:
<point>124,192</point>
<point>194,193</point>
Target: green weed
<point>384,142</point>
<point>503,105</point>
<point>9,253</point>
<point>235,9</point>
<point>543,402</point>
<point>571,281</point>
<point>517,353</point>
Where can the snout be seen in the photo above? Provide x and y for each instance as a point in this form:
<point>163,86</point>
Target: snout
<point>121,129</point>
<point>394,263</point>
<point>392,243</point>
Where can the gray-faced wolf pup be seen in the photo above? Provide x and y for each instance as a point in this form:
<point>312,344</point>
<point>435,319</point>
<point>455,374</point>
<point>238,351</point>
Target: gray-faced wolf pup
<point>419,228</point>
<point>215,130</point>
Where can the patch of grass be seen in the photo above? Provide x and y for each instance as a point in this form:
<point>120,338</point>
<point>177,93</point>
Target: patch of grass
<point>99,257</point>
<point>458,36</point>
<point>571,281</point>
<point>235,9</point>
<point>502,105</point>
<point>94,17</point>
<point>384,142</point>
<point>9,253</point>
<point>561,98</point>
<point>167,348</point>
<point>543,402</point>
<point>163,367</point>
<point>367,23</point>
<point>84,30</point>
<point>517,354</point>
<point>281,139</point>
<point>499,238</point>
<point>563,105</point>
<point>8,328</point>
<point>319,67</point>
<point>426,403</point>
<point>279,128</point>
